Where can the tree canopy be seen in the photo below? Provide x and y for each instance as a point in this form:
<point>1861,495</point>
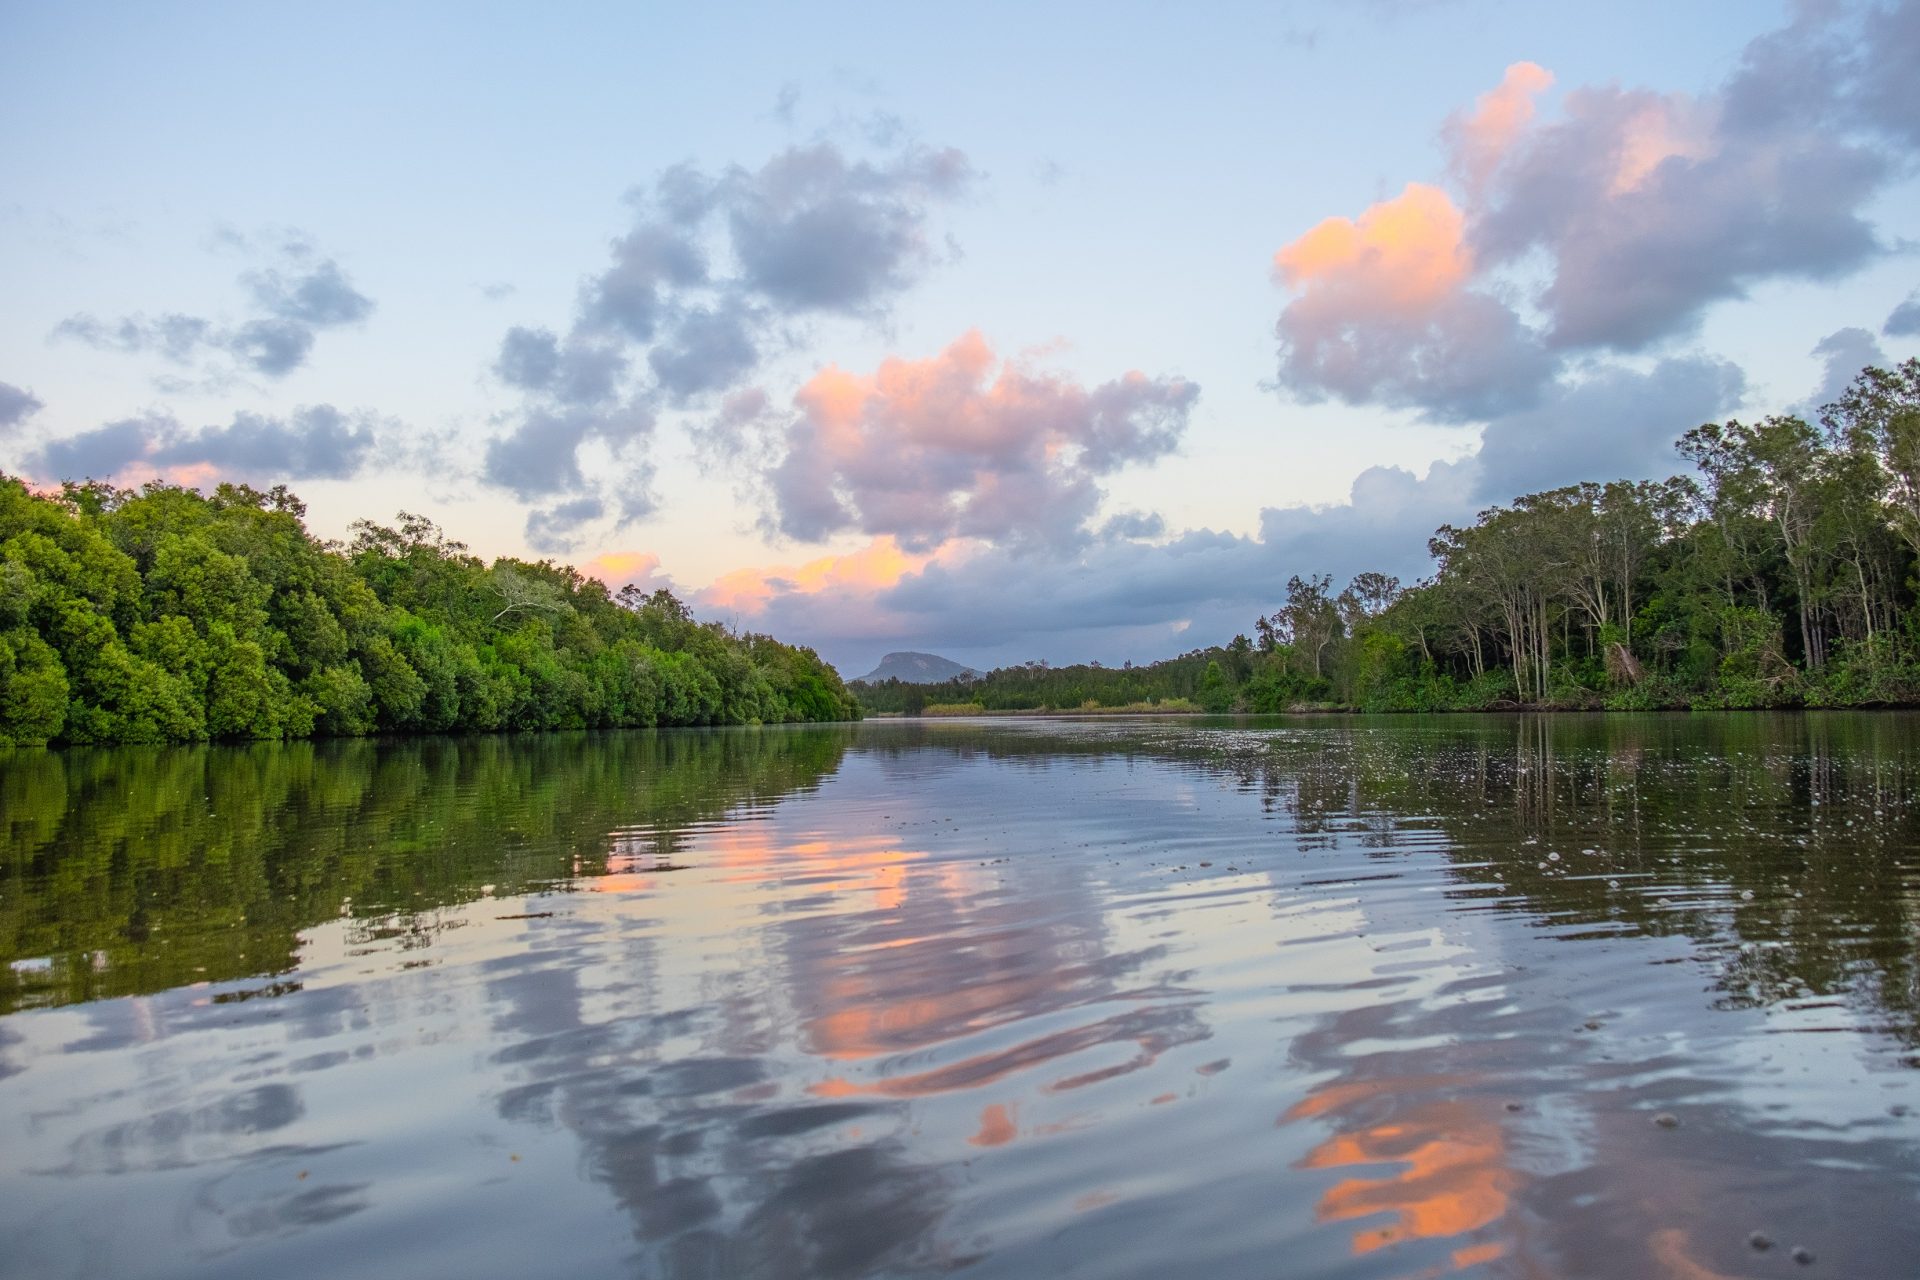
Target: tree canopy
<point>167,615</point>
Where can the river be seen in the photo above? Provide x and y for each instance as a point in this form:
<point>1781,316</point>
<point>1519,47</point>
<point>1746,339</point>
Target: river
<point>1611,996</point>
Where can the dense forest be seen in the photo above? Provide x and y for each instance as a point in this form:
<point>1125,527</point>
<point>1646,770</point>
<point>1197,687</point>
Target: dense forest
<point>1781,573</point>
<point>169,615</point>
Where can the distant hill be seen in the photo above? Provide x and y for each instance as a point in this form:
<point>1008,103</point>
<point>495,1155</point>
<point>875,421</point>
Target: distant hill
<point>917,668</point>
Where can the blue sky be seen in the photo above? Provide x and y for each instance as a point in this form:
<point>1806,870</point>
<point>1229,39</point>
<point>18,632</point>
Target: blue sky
<point>1079,407</point>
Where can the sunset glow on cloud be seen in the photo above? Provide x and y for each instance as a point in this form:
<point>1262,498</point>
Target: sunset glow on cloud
<point>881,563</point>
<point>1482,137</point>
<point>1407,253</point>
<point>964,445</point>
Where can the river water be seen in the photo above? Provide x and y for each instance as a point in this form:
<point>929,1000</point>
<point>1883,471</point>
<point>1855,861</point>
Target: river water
<point>1356,997</point>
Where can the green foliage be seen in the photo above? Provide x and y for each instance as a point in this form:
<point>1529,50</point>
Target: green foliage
<point>168,615</point>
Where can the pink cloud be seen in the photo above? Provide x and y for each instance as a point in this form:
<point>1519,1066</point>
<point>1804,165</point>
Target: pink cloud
<point>627,568</point>
<point>1406,254</point>
<point>1481,138</point>
<point>880,564</point>
<point>962,445</point>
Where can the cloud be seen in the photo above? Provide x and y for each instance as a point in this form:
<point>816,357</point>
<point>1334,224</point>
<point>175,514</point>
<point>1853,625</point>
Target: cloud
<point>319,296</point>
<point>1112,599</point>
<point>557,529</point>
<point>715,273</point>
<point>1383,313</point>
<point>628,568</point>
<point>313,442</point>
<point>1613,423</point>
<point>104,451</point>
<point>1844,353</point>
<point>1480,139</point>
<point>1904,320</point>
<point>1134,592</point>
<point>962,445</point>
<point>785,102</point>
<point>880,564</point>
<point>540,457</point>
<point>1887,92</point>
<point>814,231</point>
<point>17,405</point>
<point>291,302</point>
<point>710,349</point>
<point>1607,227</point>
<point>1650,207</point>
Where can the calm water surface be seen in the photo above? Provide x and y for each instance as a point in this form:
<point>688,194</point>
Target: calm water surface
<point>1496,996</point>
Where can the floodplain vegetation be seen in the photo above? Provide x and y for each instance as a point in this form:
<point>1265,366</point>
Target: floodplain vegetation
<point>1780,573</point>
<point>170,615</point>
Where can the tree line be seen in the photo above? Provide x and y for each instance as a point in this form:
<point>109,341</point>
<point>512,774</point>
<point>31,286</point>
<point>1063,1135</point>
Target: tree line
<point>1780,573</point>
<point>171,615</point>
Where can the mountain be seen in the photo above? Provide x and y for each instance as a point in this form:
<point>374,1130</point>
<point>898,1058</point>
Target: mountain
<point>917,668</point>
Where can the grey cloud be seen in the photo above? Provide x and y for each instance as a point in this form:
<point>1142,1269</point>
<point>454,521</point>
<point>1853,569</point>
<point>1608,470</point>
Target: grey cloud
<point>320,297</point>
<point>1615,423</point>
<point>529,358</point>
<point>1904,320</point>
<point>314,442</point>
<point>1467,358</point>
<point>711,275</point>
<point>708,350</point>
<point>1888,92</point>
<point>272,347</point>
<point>292,304</point>
<point>1844,353</point>
<point>539,458</point>
<point>1651,207</point>
<point>580,372</point>
<point>1636,210</point>
<point>629,295</point>
<point>1117,597</point>
<point>1134,525</point>
<point>590,373</point>
<point>557,528</point>
<point>173,337</point>
<point>1124,599</point>
<point>815,232</point>
<point>17,405</point>
<point>785,101</point>
<point>100,452</point>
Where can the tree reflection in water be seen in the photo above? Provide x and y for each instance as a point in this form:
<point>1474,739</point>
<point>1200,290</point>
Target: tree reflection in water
<point>1008,998</point>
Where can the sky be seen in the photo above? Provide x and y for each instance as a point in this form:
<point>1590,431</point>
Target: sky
<point>1063,332</point>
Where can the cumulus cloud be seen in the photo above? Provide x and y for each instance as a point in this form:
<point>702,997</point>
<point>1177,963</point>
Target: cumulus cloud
<point>1480,139</point>
<point>1607,226</point>
<point>1115,598</point>
<point>1843,354</point>
<point>313,442</point>
<point>1904,320</point>
<point>556,529</point>
<point>540,457</point>
<point>1613,423</point>
<point>290,301</point>
<point>1134,592</point>
<point>1383,312</point>
<point>814,231</point>
<point>962,445</point>
<point>16,405</point>
<point>717,272</point>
